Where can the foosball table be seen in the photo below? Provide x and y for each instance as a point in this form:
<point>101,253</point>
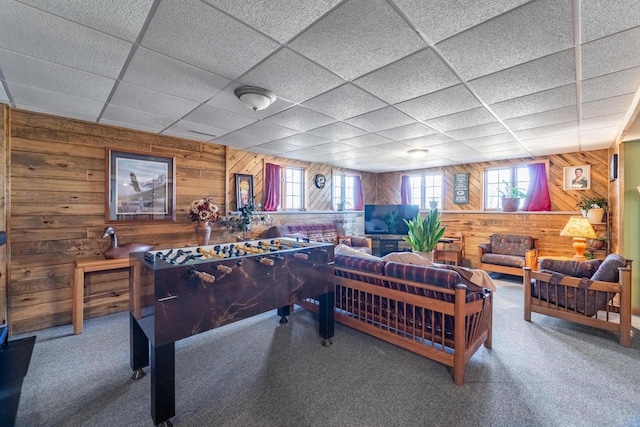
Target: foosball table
<point>176,293</point>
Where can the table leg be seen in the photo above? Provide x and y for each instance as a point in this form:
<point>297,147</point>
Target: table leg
<point>138,348</point>
<point>78,301</point>
<point>283,312</point>
<point>326,318</point>
<point>163,383</point>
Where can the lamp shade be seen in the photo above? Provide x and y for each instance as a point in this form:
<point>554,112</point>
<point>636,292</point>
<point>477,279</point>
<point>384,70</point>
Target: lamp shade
<point>255,98</point>
<point>579,226</point>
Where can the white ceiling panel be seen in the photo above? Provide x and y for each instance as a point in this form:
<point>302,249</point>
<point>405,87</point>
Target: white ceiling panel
<point>200,35</point>
<point>610,54</point>
<point>158,72</point>
<point>28,71</point>
<point>280,19</point>
<point>601,18</point>
<point>122,116</point>
<point>441,103</point>
<point>541,74</point>
<point>139,98</point>
<point>413,130</point>
<point>532,31</point>
<point>119,18</point>
<point>338,131</point>
<point>344,102</point>
<point>300,118</point>
<point>32,32</point>
<point>292,76</point>
<point>551,99</point>
<point>358,82</point>
<point>385,118</point>
<point>415,75</point>
<point>358,37</point>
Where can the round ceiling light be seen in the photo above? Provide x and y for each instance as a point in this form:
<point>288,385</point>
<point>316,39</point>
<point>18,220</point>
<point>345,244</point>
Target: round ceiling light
<point>255,98</point>
<point>418,153</point>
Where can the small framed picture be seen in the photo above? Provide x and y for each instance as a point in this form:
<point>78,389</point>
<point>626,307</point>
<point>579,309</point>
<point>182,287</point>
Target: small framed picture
<point>244,189</point>
<point>577,178</point>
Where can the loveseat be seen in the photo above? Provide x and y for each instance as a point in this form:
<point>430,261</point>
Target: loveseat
<point>595,293</point>
<point>422,309</point>
<point>507,253</point>
<point>327,233</point>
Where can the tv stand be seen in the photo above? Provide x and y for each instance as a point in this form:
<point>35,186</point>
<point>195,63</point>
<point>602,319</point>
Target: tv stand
<point>382,244</point>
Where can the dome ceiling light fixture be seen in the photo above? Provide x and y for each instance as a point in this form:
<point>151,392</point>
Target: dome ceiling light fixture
<point>255,98</point>
<point>418,153</point>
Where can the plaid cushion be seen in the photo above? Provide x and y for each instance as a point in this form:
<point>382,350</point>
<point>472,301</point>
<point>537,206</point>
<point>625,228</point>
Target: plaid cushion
<point>370,265</point>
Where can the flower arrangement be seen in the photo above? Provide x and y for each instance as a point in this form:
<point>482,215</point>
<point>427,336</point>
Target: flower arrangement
<point>204,210</point>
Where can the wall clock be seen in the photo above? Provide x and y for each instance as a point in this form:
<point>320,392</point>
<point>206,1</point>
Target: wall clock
<point>321,180</point>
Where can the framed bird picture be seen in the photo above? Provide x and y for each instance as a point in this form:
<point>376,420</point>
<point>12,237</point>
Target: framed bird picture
<point>140,187</point>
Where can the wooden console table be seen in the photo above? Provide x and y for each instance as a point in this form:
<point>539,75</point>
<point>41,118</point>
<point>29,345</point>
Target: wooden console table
<point>87,266</point>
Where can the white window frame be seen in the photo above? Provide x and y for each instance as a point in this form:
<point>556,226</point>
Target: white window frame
<point>513,179</point>
<point>340,184</point>
<point>284,202</point>
<point>423,198</point>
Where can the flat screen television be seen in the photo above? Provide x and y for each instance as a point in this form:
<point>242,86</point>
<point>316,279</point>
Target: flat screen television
<point>388,219</point>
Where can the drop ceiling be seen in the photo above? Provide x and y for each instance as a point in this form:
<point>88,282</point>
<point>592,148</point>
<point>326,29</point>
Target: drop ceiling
<point>359,82</point>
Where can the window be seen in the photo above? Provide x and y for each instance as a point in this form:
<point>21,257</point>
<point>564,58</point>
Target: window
<point>293,188</point>
<point>494,182</point>
<point>343,195</point>
<point>426,189</point>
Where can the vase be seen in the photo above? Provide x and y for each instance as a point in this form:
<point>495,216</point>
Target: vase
<point>510,204</point>
<point>595,215</point>
<point>203,233</point>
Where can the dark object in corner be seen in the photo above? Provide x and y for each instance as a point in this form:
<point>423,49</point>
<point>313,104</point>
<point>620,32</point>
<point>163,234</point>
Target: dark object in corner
<point>3,237</point>
<point>14,364</point>
<point>115,251</point>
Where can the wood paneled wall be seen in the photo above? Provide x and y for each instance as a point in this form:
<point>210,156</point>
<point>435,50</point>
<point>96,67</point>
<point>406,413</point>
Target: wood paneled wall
<point>57,211</point>
<point>4,206</point>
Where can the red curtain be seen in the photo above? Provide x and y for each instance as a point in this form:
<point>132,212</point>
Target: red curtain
<point>405,190</point>
<point>538,198</point>
<point>272,187</point>
<point>358,202</point>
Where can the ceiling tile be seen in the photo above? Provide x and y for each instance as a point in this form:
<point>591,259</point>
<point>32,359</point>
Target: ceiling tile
<point>200,35</point>
<point>601,18</point>
<point>551,99</point>
<point>35,33</point>
<point>358,37</point>
<point>141,99</point>
<point>344,102</point>
<point>610,54</point>
<point>300,118</point>
<point>534,76</point>
<point>609,85</point>
<point>227,100</point>
<point>488,140</point>
<point>428,141</point>
<point>292,77</point>
<point>268,130</point>
<point>324,149</point>
<point>241,140</point>
<point>477,131</point>
<point>512,146</point>
<point>604,107</point>
<point>163,74</point>
<point>598,138</point>
<point>438,19</point>
<point>279,146</point>
<point>120,18</point>
<point>135,126</point>
<point>186,129</point>
<point>382,119</point>
<point>413,130</point>
<point>552,117</point>
<point>29,71</point>
<point>126,117</point>
<point>532,31</point>
<point>603,121</point>
<point>366,141</point>
<point>215,117</point>
<point>304,140</point>
<point>338,131</point>
<point>40,100</point>
<point>561,143</point>
<point>544,131</point>
<point>415,75</point>
<point>281,19</point>
<point>510,154</point>
<point>444,149</point>
<point>465,119</point>
<point>441,103</point>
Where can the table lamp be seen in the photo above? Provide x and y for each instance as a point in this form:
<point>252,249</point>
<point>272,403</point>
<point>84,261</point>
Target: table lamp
<point>580,229</point>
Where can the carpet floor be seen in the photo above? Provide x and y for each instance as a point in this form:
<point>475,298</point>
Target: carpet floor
<point>256,372</point>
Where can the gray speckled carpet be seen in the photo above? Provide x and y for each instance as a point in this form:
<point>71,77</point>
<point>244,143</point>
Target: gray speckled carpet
<point>259,373</point>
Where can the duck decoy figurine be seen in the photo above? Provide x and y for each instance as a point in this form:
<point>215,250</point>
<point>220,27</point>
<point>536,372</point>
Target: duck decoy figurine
<point>115,251</point>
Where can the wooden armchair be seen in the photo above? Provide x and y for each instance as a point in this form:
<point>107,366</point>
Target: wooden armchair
<point>508,254</point>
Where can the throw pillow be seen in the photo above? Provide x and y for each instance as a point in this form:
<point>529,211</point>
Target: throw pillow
<point>344,240</point>
<point>608,270</point>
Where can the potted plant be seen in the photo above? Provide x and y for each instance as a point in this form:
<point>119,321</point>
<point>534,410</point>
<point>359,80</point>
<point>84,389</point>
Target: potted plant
<point>593,208</point>
<point>598,243</point>
<point>424,234</point>
<point>511,195</point>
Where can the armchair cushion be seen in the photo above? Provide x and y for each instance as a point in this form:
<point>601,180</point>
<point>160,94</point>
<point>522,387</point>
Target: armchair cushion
<point>506,260</point>
<point>511,244</point>
<point>608,270</point>
<point>571,267</point>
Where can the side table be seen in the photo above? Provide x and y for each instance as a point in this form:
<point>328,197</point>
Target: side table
<point>86,266</point>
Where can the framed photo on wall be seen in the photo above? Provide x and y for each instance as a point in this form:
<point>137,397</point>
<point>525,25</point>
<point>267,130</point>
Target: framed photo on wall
<point>140,187</point>
<point>577,177</point>
<point>244,189</point>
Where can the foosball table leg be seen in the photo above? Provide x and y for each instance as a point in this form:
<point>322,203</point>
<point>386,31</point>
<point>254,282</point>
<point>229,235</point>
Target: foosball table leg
<point>283,312</point>
<point>326,318</point>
